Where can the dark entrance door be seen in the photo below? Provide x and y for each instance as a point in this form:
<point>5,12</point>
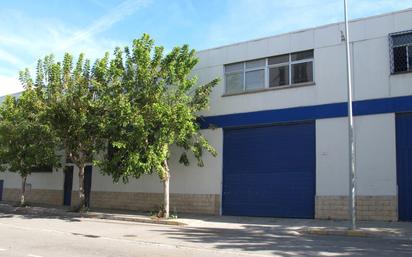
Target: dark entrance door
<point>87,183</point>
<point>404,164</point>
<point>68,185</point>
<point>1,190</point>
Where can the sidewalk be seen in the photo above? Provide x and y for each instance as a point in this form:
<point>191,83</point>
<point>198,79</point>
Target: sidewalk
<point>390,230</point>
<point>381,229</point>
<point>65,212</point>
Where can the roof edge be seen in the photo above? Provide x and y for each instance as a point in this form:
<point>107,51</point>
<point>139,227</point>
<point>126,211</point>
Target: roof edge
<point>307,29</point>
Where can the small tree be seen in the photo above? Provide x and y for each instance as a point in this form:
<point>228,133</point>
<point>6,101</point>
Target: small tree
<point>154,104</point>
<point>26,140</point>
<point>72,109</point>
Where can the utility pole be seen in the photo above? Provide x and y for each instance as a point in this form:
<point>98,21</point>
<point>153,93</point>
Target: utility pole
<point>352,156</point>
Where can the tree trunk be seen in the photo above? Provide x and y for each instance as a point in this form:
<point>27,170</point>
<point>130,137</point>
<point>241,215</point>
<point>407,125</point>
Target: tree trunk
<point>82,199</point>
<point>166,181</point>
<point>23,190</point>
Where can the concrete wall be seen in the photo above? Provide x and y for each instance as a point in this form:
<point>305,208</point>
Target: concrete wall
<point>47,180</point>
<point>375,156</point>
<point>376,167</point>
<point>191,179</point>
<point>193,189</point>
<point>45,188</point>
<point>184,180</point>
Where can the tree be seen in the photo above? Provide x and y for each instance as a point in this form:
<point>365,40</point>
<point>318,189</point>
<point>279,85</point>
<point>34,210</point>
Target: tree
<point>73,109</point>
<point>26,140</point>
<point>154,103</point>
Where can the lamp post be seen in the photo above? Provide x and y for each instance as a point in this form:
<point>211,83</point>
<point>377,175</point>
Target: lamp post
<point>352,164</point>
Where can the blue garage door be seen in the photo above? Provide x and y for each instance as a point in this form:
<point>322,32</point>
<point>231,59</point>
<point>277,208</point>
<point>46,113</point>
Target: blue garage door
<point>269,171</point>
<point>404,164</point>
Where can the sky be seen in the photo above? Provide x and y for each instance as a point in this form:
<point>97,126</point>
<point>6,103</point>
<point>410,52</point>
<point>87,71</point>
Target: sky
<point>31,29</point>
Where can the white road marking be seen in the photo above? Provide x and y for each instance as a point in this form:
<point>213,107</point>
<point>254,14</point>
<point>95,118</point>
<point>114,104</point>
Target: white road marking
<point>32,255</point>
<point>2,249</point>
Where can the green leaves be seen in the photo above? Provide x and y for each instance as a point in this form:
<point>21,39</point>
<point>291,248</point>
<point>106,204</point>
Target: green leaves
<point>26,139</point>
<point>153,103</point>
<point>138,102</point>
<point>72,107</point>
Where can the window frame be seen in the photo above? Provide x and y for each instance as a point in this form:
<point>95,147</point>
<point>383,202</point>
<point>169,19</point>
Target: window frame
<point>234,72</point>
<point>391,52</point>
<point>245,70</point>
<point>279,65</point>
<point>299,62</point>
<point>266,70</point>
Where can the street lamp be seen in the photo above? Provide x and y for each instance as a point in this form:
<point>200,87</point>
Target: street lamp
<point>352,164</point>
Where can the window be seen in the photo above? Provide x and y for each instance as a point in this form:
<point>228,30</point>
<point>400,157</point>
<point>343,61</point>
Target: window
<point>272,72</point>
<point>278,76</point>
<point>302,72</point>
<point>401,52</point>
<point>255,74</point>
<point>279,70</point>
<point>234,78</point>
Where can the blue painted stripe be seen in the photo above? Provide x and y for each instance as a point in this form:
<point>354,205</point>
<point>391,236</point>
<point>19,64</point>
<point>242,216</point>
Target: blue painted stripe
<point>314,112</point>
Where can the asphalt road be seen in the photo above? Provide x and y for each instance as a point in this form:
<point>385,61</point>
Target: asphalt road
<point>30,236</point>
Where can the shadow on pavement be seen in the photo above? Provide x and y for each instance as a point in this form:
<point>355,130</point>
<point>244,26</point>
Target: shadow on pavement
<point>281,242</point>
<point>39,216</point>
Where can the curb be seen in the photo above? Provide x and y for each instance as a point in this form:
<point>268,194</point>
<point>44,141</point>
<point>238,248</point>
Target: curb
<point>8,209</point>
<point>340,232</point>
<point>133,219</point>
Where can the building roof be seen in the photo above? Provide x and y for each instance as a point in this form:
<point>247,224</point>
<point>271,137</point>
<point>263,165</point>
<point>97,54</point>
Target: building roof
<point>15,95</point>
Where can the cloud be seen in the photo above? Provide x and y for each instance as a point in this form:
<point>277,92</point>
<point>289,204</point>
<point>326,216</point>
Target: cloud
<point>10,58</point>
<point>119,13</point>
<point>24,39</point>
<point>251,19</point>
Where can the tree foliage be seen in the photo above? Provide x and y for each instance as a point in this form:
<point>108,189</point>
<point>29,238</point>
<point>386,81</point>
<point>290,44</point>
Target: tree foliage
<point>26,141</point>
<point>73,108</point>
<point>139,103</point>
<point>153,103</point>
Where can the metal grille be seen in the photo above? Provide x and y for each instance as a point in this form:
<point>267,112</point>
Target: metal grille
<point>400,47</point>
<point>402,39</point>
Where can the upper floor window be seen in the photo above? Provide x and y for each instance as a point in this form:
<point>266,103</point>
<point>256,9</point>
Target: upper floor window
<point>272,72</point>
<point>401,51</point>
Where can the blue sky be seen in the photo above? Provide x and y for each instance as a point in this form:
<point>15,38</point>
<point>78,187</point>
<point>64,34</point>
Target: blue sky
<point>31,29</point>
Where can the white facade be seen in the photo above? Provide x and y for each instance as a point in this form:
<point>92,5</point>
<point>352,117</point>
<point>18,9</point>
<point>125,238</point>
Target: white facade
<point>375,156</point>
<point>370,57</point>
<point>184,180</point>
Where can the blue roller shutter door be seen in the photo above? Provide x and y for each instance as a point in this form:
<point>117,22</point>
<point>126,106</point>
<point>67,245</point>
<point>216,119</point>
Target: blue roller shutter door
<point>404,165</point>
<point>269,171</point>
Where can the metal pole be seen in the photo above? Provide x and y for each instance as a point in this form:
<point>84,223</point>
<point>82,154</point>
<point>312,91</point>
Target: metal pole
<point>352,165</point>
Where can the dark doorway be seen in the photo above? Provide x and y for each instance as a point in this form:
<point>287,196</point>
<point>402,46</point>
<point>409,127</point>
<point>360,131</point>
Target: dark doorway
<point>68,185</point>
<point>87,183</point>
<point>1,190</point>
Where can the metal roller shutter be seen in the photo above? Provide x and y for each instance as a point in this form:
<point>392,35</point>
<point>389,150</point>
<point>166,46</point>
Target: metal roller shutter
<point>269,171</point>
